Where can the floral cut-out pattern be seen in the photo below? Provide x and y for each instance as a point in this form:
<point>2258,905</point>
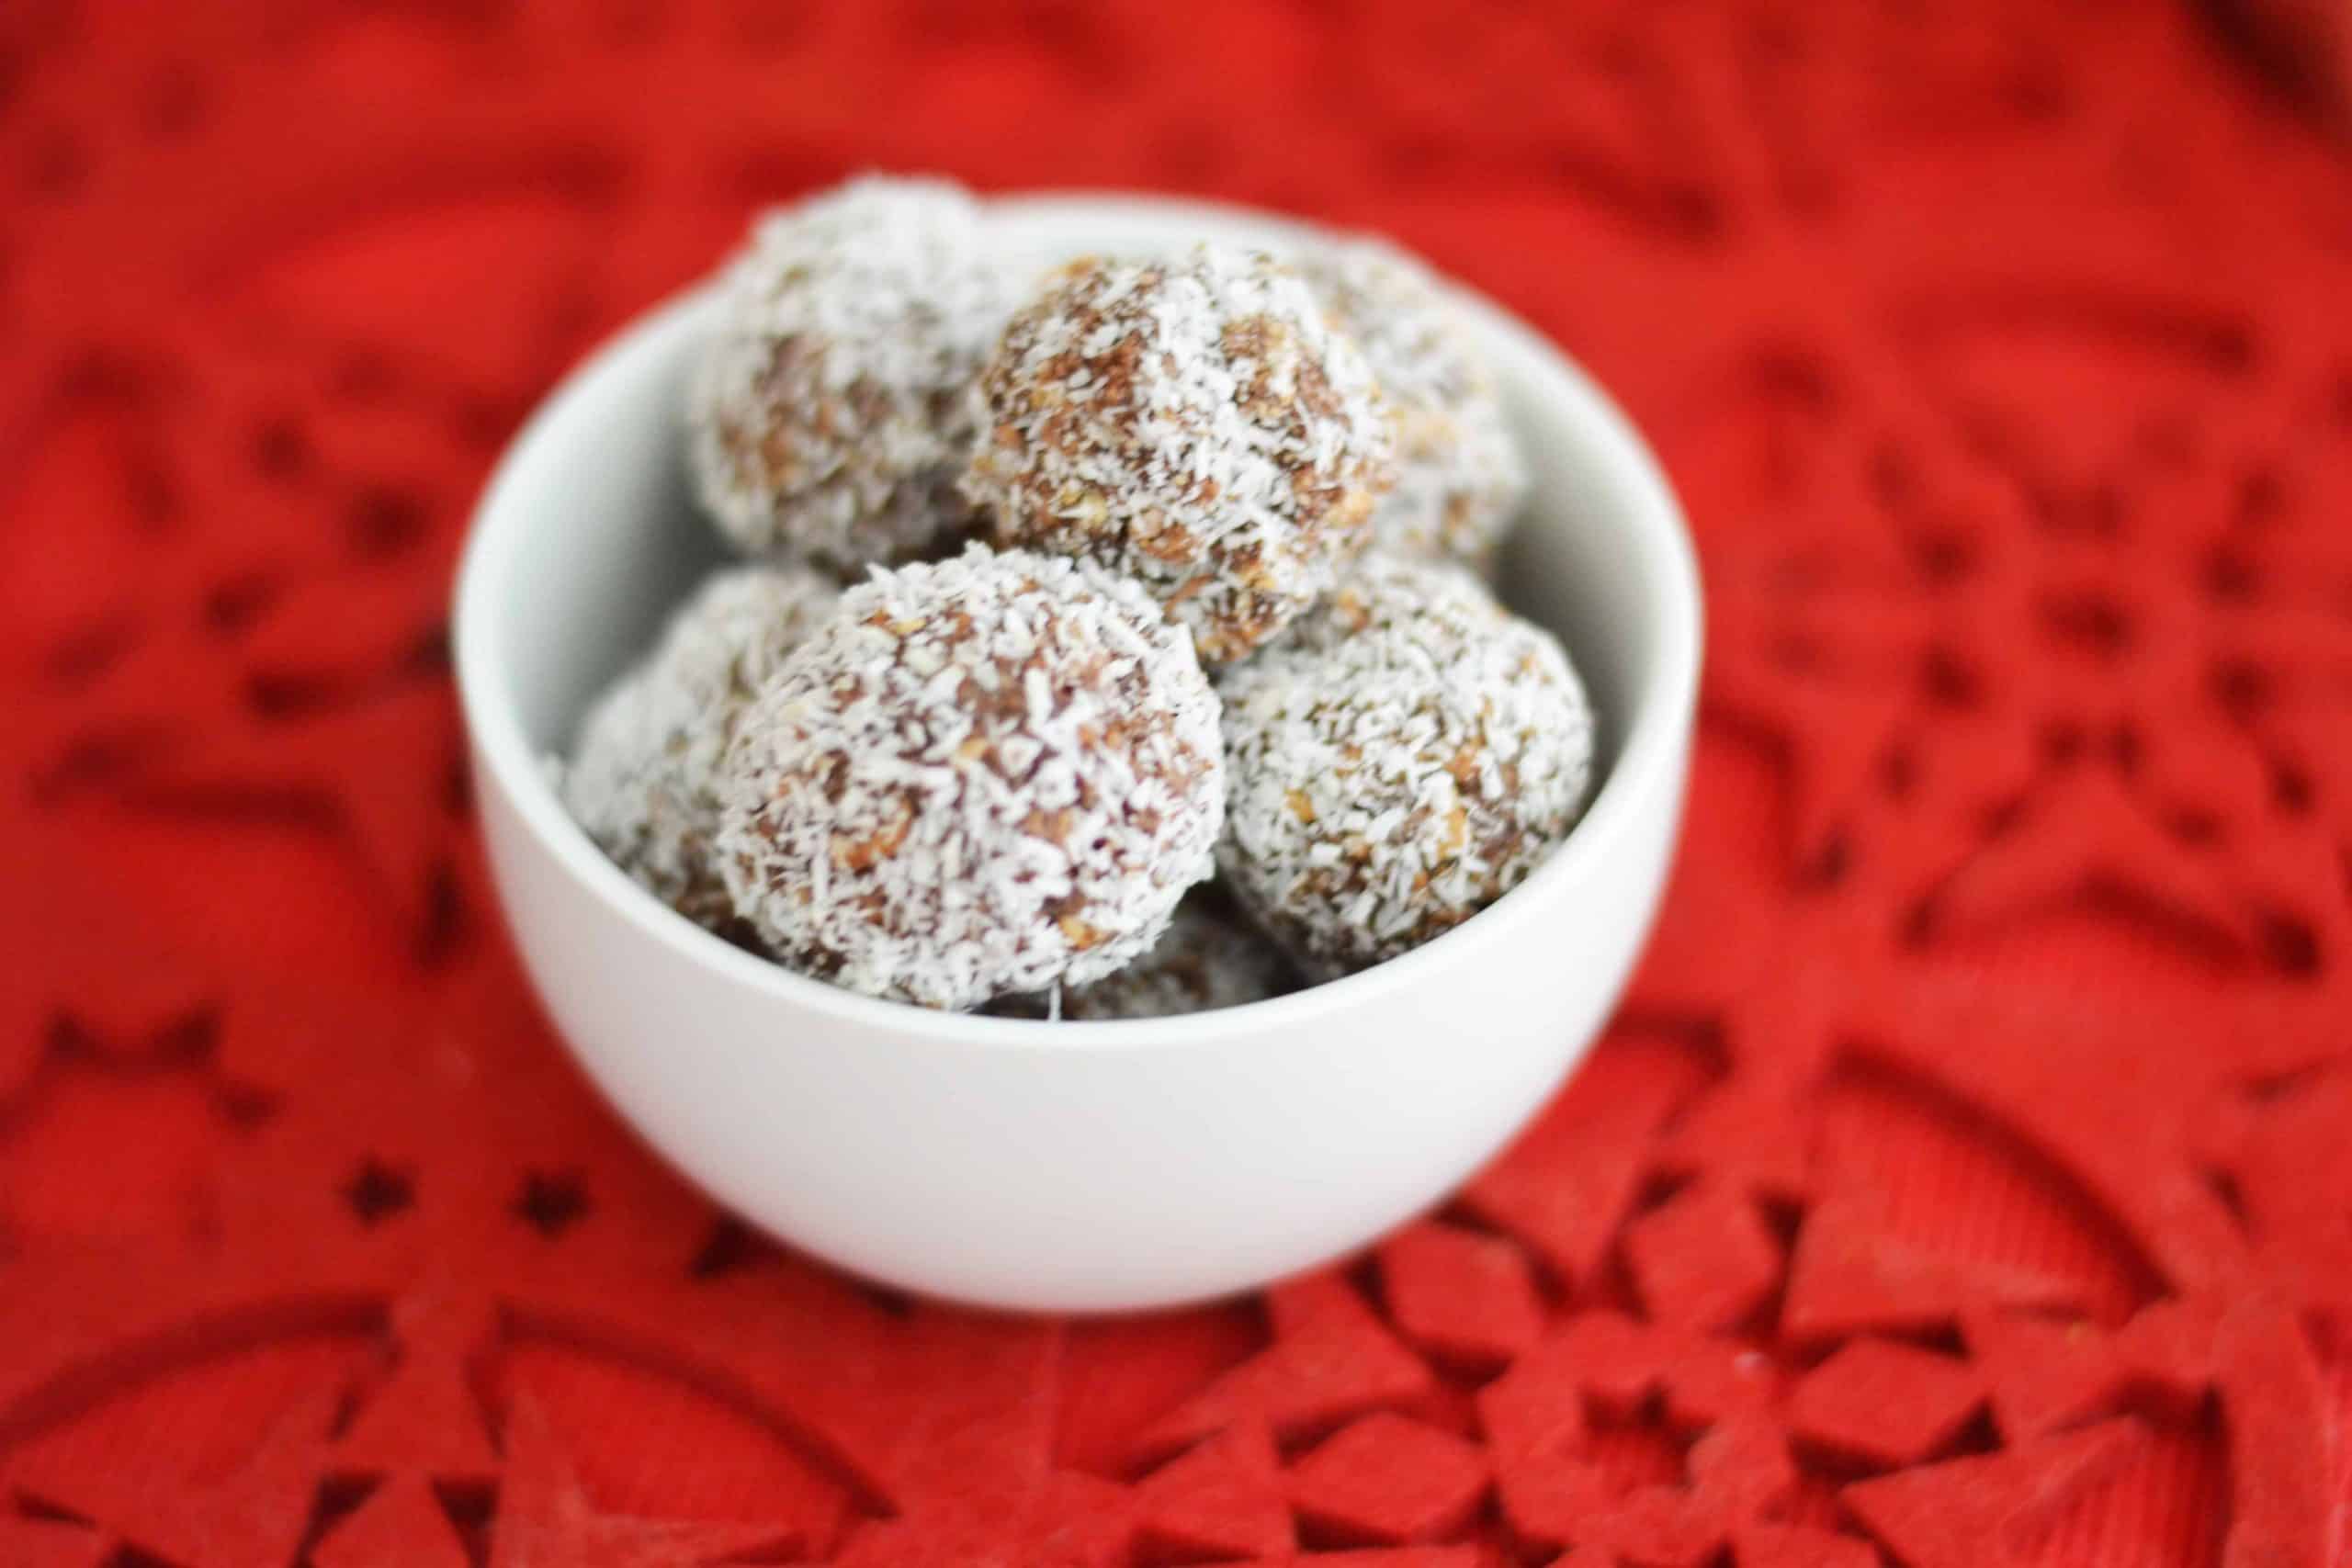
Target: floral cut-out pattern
<point>1964,1181</point>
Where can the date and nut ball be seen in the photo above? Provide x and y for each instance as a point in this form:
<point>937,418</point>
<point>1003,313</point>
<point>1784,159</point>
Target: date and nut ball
<point>1460,478</point>
<point>992,773</point>
<point>642,778</point>
<point>830,414</point>
<point>1194,423</point>
<point>1210,956</point>
<point>1401,759</point>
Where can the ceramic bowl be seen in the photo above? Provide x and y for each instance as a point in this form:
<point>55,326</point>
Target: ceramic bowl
<point>1063,1166</point>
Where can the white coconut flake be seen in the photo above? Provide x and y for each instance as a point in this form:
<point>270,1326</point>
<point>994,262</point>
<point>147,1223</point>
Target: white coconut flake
<point>829,415</point>
<point>643,776</point>
<point>1210,957</point>
<point>1198,424</point>
<point>992,774</point>
<point>1398,761</point>
<point>1460,477</point>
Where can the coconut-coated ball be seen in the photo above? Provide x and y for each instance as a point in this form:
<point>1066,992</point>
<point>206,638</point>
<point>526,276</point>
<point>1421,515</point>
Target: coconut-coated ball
<point>1196,425</point>
<point>1399,762</point>
<point>1210,956</point>
<point>992,773</point>
<point>641,779</point>
<point>830,413</point>
<point>1460,477</point>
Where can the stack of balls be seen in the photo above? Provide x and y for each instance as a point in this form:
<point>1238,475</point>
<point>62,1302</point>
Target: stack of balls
<point>1109,646</point>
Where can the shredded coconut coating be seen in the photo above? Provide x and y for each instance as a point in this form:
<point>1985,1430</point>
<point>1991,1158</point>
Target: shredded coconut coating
<point>993,773</point>
<point>643,776</point>
<point>830,414</point>
<point>1196,425</point>
<point>1399,761</point>
<point>1210,956</point>
<point>1460,477</point>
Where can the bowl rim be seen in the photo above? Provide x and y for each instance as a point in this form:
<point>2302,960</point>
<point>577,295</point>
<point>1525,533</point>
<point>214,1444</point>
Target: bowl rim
<point>1648,758</point>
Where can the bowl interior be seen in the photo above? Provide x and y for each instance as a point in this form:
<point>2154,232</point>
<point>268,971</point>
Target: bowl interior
<point>612,540</point>
<point>590,534</point>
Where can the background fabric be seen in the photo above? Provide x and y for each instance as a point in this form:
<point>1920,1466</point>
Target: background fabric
<point>1967,1181</point>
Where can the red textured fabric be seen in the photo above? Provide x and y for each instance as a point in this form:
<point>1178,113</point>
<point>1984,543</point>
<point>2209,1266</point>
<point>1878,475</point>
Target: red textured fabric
<point>1221,1499</point>
<point>2306,45</point>
<point>1469,1301</point>
<point>1967,1179</point>
<point>1387,1480</point>
<point>1884,1406</point>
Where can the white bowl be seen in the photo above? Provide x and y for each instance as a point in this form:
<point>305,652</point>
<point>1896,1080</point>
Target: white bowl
<point>1069,1165</point>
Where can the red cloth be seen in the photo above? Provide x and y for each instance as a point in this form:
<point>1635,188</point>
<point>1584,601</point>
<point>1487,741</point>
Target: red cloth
<point>1965,1181</point>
